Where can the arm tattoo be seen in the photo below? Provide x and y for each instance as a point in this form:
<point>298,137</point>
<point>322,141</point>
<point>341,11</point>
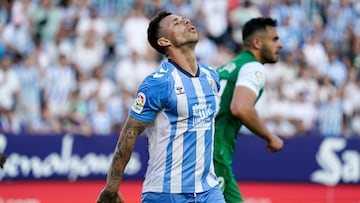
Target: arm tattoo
<point>131,130</point>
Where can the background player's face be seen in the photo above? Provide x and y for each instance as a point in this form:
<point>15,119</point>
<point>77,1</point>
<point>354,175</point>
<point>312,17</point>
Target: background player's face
<point>179,30</point>
<point>271,46</point>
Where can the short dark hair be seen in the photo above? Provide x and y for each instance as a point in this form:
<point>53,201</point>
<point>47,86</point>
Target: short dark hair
<point>153,30</point>
<point>257,24</point>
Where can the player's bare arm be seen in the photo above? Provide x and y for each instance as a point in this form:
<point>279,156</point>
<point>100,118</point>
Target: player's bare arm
<point>242,107</point>
<point>124,148</point>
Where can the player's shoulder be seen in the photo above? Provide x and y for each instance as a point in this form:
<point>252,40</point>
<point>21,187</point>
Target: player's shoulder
<point>253,66</point>
<point>160,76</point>
<point>157,83</point>
<point>206,67</point>
<point>246,57</point>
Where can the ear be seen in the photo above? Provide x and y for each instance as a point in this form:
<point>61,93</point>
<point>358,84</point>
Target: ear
<point>163,42</point>
<point>256,43</point>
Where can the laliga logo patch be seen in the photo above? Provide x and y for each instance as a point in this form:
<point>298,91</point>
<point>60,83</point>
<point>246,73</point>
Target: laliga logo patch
<point>139,103</point>
<point>258,77</point>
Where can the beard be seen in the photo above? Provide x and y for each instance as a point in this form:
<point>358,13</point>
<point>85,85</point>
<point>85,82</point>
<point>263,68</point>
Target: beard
<point>188,42</point>
<point>188,39</point>
<point>268,56</point>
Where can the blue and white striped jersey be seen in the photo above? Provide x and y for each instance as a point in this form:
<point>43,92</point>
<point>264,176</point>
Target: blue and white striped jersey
<point>181,110</point>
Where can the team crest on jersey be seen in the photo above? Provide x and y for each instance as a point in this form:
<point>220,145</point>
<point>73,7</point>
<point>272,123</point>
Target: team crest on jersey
<point>139,103</point>
<point>258,77</point>
<point>212,84</point>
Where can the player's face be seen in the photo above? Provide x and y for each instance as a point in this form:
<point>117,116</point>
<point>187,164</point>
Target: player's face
<point>178,30</point>
<point>271,46</point>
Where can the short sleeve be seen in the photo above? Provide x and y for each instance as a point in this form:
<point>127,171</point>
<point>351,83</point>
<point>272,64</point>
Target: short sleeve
<point>150,98</point>
<point>252,75</point>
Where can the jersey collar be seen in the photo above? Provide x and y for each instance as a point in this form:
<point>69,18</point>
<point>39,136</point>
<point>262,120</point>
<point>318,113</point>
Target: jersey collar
<point>184,71</point>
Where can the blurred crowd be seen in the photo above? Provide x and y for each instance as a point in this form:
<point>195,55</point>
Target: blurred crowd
<point>73,66</point>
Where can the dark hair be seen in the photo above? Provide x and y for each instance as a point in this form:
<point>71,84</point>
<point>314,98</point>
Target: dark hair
<point>256,24</point>
<point>153,30</point>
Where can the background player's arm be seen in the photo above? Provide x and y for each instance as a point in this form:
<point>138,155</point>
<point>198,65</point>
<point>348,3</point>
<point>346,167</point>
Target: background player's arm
<point>243,107</point>
<point>124,148</point>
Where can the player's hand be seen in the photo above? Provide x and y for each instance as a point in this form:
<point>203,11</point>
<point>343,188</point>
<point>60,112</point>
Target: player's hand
<point>2,160</point>
<point>110,197</point>
<point>275,144</point>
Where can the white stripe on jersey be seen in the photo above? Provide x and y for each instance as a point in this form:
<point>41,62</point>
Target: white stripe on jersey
<point>178,144</point>
<point>200,140</point>
<point>158,150</point>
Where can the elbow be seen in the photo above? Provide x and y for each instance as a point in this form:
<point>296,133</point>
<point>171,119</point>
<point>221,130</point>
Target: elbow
<point>238,111</point>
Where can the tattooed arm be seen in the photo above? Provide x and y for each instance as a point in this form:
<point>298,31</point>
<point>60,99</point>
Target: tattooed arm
<point>124,148</point>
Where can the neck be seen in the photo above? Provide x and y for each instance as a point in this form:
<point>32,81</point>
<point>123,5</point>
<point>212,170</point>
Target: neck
<point>186,59</point>
<point>256,54</point>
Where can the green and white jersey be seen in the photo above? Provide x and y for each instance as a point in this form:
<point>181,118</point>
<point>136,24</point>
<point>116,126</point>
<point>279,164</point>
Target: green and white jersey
<point>244,70</point>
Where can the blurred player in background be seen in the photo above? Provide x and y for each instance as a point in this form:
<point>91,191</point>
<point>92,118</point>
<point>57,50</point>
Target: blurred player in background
<point>2,160</point>
<point>176,106</point>
<point>242,82</point>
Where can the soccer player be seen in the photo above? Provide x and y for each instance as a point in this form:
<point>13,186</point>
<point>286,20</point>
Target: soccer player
<point>176,106</point>
<point>242,82</point>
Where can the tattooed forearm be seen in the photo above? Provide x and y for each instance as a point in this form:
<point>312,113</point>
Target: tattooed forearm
<point>131,130</point>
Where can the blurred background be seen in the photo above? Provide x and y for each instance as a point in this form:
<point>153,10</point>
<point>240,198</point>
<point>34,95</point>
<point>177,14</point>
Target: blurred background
<point>69,71</point>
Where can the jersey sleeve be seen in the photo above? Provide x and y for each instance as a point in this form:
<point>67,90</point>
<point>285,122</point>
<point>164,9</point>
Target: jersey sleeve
<point>150,98</point>
<point>252,75</point>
